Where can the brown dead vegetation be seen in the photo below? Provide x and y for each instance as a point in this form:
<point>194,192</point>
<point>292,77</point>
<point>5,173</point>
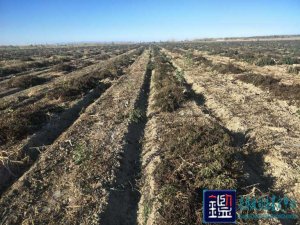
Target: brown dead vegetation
<point>63,67</point>
<point>169,98</point>
<point>82,167</point>
<point>194,158</point>
<point>191,58</point>
<point>196,153</point>
<point>290,93</point>
<point>258,80</point>
<point>170,93</point>
<point>25,81</point>
<point>23,67</point>
<point>293,69</point>
<point>227,68</point>
<point>103,57</point>
<point>27,120</point>
<point>28,115</point>
<point>202,60</point>
<point>24,121</point>
<point>76,88</point>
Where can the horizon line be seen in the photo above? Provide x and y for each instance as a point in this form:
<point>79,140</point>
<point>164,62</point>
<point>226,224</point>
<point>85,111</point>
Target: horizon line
<point>170,40</point>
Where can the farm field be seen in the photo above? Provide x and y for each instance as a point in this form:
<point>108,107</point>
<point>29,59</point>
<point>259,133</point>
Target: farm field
<point>133,133</point>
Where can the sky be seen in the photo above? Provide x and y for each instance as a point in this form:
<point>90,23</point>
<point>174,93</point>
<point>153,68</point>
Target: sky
<point>24,22</point>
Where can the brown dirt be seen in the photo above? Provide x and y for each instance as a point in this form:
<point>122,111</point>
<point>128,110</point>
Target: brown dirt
<point>181,157</point>
<point>290,93</point>
<point>270,125</point>
<point>48,86</point>
<point>74,185</point>
<point>23,142</point>
<point>227,68</point>
<point>25,81</point>
<point>24,121</point>
<point>63,67</point>
<point>168,126</point>
<point>277,72</point>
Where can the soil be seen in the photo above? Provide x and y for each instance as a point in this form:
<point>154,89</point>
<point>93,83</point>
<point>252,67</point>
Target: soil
<point>136,132</point>
<point>270,126</point>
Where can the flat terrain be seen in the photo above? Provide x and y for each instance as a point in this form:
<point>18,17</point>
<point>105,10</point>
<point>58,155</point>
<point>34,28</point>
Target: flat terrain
<point>133,133</point>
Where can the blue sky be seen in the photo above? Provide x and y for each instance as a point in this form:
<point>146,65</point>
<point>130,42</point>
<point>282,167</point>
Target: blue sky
<point>56,21</point>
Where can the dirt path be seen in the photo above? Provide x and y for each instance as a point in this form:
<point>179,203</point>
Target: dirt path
<point>73,180</point>
<point>150,158</point>
<point>123,200</point>
<point>271,127</point>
